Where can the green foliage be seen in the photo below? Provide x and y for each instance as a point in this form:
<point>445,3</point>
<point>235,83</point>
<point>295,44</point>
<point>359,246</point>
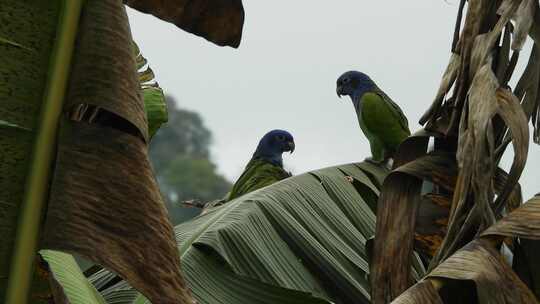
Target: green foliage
<point>300,240</point>
<point>184,133</point>
<point>67,272</point>
<point>154,99</point>
<point>156,109</point>
<point>197,178</point>
<point>180,156</point>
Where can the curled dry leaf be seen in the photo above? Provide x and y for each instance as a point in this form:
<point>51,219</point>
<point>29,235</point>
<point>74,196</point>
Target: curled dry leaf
<point>476,157</point>
<point>219,21</point>
<point>449,77</point>
<point>479,165</point>
<point>524,17</point>
<point>104,203</point>
<point>483,44</point>
<point>437,167</point>
<point>527,89</point>
<point>432,223</point>
<point>476,12</point>
<point>512,114</point>
<point>457,26</point>
<point>104,65</point>
<point>433,214</point>
<point>527,86</point>
<point>532,108</point>
<point>523,222</point>
<point>526,264</point>
<point>515,198</point>
<point>479,261</point>
<point>422,292</point>
<point>495,281</point>
<point>396,217</point>
<point>503,54</point>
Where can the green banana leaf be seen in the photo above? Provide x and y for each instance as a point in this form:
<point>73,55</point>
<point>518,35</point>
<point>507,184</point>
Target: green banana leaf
<point>26,43</point>
<point>301,240</point>
<point>156,108</point>
<point>154,99</point>
<point>66,271</point>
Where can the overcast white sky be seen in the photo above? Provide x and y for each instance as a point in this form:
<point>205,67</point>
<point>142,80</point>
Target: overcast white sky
<point>283,75</point>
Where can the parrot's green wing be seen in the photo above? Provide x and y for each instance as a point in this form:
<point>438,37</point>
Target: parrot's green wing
<point>384,119</point>
<point>258,173</point>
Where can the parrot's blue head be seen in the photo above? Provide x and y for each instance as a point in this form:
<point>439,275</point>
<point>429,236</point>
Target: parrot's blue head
<point>354,84</point>
<point>273,144</point>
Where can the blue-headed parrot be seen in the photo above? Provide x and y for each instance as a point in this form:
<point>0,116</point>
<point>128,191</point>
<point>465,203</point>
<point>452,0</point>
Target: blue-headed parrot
<point>380,118</point>
<point>266,164</point>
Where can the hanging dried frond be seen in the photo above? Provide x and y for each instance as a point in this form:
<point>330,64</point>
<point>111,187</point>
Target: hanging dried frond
<point>219,21</point>
<point>481,262</point>
<point>105,204</point>
<point>474,123</point>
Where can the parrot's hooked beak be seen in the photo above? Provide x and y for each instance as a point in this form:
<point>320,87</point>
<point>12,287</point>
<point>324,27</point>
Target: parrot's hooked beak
<point>290,146</point>
<point>339,91</point>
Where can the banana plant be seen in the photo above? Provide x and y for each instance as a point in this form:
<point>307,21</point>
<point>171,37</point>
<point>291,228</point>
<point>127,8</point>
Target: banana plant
<point>57,113</point>
<point>37,42</point>
<point>63,266</point>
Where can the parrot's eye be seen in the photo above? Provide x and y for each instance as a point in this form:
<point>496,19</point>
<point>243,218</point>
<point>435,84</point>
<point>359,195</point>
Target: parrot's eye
<point>345,80</point>
<point>280,137</point>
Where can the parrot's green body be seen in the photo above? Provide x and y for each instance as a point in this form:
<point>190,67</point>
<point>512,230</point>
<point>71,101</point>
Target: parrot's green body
<point>257,174</point>
<point>383,123</point>
<point>380,118</point>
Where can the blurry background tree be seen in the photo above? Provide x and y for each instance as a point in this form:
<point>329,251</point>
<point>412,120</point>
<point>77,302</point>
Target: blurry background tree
<point>180,155</point>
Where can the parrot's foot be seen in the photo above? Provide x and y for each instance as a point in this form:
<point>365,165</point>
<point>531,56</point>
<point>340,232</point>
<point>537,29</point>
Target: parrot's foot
<point>389,163</point>
<point>193,204</point>
<point>374,161</point>
<point>386,163</point>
